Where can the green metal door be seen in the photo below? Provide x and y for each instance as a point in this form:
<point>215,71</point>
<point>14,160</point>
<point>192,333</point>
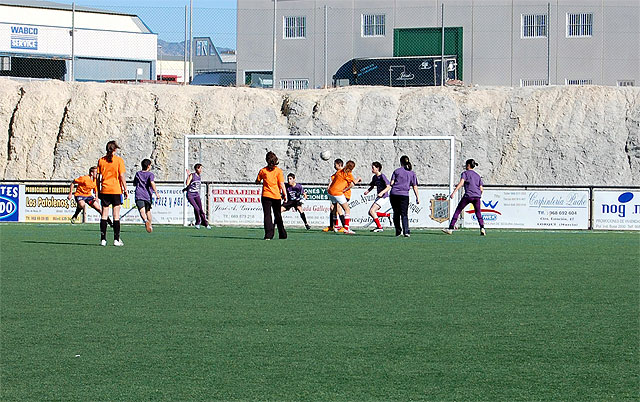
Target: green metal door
<point>428,42</point>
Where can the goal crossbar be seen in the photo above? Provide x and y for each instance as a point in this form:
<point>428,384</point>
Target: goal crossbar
<point>450,139</point>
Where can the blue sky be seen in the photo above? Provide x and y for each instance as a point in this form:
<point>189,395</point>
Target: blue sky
<point>213,18</point>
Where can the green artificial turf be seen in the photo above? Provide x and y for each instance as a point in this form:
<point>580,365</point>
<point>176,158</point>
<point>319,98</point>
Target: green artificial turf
<point>189,314</point>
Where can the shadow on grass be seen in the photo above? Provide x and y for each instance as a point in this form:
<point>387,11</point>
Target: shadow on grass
<point>61,243</point>
<point>226,237</point>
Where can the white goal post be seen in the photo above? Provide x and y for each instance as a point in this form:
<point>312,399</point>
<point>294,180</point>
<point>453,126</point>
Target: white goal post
<point>450,139</point>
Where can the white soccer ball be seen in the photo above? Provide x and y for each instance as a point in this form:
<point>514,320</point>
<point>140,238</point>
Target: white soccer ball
<point>325,155</point>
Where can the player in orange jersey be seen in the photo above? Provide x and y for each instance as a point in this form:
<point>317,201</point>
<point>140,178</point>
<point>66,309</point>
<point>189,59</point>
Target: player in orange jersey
<point>85,193</point>
<point>273,192</point>
<point>112,187</point>
<point>342,182</point>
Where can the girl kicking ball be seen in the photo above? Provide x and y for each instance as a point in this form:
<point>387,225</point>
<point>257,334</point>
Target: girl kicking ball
<point>473,188</point>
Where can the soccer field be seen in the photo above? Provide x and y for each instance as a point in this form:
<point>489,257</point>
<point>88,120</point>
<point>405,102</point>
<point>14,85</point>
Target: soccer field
<point>190,314</point>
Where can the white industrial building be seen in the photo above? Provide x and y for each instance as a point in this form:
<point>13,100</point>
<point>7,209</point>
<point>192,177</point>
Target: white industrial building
<point>40,39</point>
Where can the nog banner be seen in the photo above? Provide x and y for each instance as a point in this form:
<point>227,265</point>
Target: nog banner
<point>532,209</point>
<point>241,205</point>
<point>616,210</point>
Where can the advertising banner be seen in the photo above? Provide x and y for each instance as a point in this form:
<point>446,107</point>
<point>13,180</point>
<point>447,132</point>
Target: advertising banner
<point>240,205</point>
<point>532,209</point>
<point>46,203</point>
<point>165,210</point>
<point>9,202</point>
<point>616,210</point>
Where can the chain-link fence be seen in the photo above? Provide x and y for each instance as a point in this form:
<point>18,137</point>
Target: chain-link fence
<point>314,44</point>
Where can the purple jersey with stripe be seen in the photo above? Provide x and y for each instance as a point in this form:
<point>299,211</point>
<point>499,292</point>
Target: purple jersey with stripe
<point>380,183</point>
<point>402,180</point>
<point>294,192</point>
<point>194,186</point>
<point>472,183</point>
<point>142,183</point>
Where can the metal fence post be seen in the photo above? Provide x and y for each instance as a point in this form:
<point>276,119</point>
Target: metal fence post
<point>186,22</point>
<point>548,44</point>
<point>73,42</point>
<point>326,46</point>
<point>190,40</point>
<point>275,24</point>
<point>442,49</point>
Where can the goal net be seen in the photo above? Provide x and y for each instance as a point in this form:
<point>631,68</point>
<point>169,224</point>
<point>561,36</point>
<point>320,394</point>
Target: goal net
<point>231,164</point>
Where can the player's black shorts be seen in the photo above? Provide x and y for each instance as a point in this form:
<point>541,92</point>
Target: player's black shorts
<point>291,204</point>
<point>87,199</point>
<point>110,199</point>
<point>144,204</point>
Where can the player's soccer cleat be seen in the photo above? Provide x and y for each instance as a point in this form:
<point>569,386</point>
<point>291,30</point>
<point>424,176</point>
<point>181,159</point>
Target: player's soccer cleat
<point>208,227</point>
<point>196,226</point>
<point>118,243</point>
<point>342,230</point>
<point>447,231</point>
<point>73,220</point>
<point>377,230</point>
<point>327,229</point>
<point>103,243</point>
<point>307,227</point>
<point>347,231</point>
<point>407,235</point>
<point>483,232</point>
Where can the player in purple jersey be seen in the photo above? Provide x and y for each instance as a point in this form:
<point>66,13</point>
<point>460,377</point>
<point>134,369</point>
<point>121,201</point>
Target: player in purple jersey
<point>296,195</point>
<point>144,182</point>
<point>402,179</point>
<point>193,196</point>
<point>473,188</point>
<point>380,182</point>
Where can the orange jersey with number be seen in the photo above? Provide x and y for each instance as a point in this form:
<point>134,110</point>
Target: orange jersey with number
<point>271,182</point>
<point>85,186</point>
<point>110,172</point>
<point>340,181</point>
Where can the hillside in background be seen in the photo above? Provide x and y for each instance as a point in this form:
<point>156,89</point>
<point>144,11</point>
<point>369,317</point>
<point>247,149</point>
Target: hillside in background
<point>177,48</point>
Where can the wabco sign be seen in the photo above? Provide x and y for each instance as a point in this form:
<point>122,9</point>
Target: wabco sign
<point>24,37</point>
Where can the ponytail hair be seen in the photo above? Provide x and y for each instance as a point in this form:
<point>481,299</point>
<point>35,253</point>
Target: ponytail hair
<point>404,162</point>
<point>471,163</point>
<point>111,147</point>
<point>272,160</point>
<point>348,168</point>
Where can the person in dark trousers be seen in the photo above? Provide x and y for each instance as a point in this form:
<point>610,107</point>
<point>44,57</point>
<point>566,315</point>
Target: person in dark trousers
<point>273,192</point>
<point>473,188</point>
<point>402,179</point>
<point>193,196</point>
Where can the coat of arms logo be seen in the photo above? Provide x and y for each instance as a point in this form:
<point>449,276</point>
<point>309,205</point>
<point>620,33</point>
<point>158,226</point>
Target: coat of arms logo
<point>439,208</point>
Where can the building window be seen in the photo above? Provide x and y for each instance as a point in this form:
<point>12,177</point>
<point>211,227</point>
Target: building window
<point>533,83</point>
<point>295,27</point>
<point>534,25</point>
<point>579,25</point>
<point>5,63</point>
<point>372,24</point>
<point>578,82</point>
<point>626,83</point>
<point>294,84</point>
<point>202,48</point>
